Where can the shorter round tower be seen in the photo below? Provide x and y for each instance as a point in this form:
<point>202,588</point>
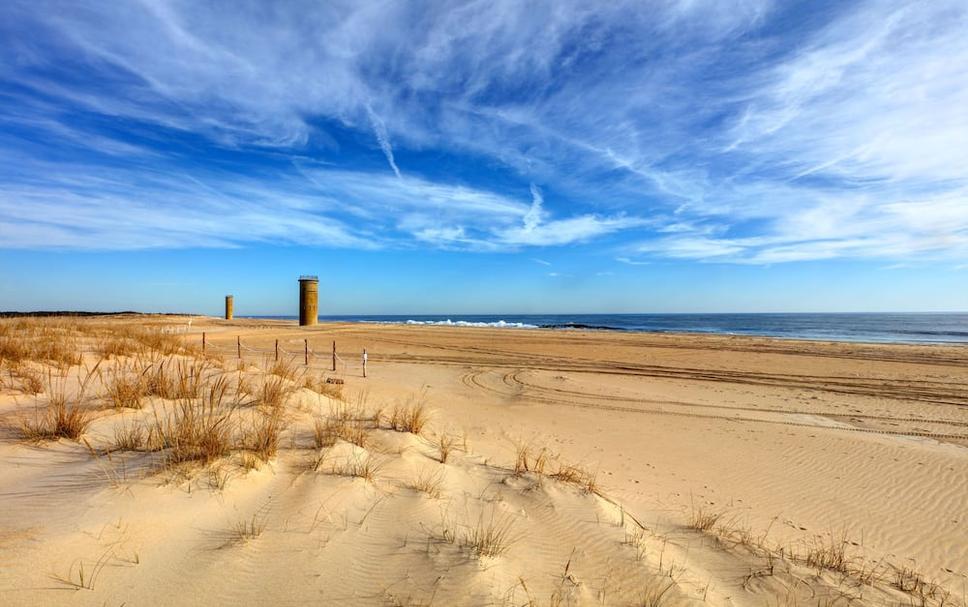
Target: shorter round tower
<point>229,307</point>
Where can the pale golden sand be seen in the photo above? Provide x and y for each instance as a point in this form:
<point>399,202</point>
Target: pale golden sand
<point>802,450</point>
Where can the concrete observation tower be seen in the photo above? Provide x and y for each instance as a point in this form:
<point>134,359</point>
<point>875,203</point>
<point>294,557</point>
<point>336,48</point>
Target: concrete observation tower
<point>308,300</point>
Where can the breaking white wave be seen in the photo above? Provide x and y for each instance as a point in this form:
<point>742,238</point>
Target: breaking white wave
<point>501,324</point>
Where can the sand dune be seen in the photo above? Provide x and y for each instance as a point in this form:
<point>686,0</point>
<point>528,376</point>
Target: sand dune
<point>580,468</point>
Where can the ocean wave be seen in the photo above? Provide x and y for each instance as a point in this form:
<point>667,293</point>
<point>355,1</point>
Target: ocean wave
<point>500,324</point>
<point>581,325</point>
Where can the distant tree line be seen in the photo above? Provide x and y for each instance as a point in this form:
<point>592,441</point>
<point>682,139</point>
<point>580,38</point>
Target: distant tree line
<point>81,313</point>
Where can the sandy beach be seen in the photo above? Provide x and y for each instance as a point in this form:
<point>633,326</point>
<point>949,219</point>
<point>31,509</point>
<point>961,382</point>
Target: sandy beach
<point>476,466</point>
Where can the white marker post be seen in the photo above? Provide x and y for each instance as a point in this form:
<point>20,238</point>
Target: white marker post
<point>364,362</point>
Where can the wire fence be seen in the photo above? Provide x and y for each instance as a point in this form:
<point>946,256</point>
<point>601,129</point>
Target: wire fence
<point>307,352</point>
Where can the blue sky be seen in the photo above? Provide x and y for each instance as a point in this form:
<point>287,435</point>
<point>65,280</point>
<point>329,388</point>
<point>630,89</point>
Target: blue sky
<point>484,157</point>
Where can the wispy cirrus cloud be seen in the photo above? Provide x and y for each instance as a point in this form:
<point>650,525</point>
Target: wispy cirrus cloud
<point>701,130</point>
<point>380,129</point>
<point>92,207</point>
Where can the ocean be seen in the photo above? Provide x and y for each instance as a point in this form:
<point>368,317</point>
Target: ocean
<point>941,327</point>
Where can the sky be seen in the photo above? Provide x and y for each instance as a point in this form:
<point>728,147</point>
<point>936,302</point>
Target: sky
<point>492,156</point>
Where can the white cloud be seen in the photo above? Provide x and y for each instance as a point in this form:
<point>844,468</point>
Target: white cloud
<point>533,217</point>
<point>566,231</point>
<point>383,138</point>
<point>89,206</point>
<point>632,262</point>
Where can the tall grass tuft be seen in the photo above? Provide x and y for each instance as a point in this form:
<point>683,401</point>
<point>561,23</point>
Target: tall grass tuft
<point>124,389</point>
<point>445,444</point>
<point>429,482</point>
<point>286,368</point>
<point>359,466</point>
<point>528,461</point>
<point>411,416</point>
<point>198,429</point>
<point>63,416</point>
<point>263,437</point>
<point>174,378</point>
<point>327,431</point>
<point>490,537</point>
<point>701,519</point>
<point>129,437</point>
<point>273,393</point>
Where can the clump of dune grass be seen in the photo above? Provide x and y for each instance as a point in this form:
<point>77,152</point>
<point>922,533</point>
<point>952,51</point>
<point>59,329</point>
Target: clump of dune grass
<point>578,476</point>
<point>286,368</point>
<point>913,582</point>
<point>58,420</point>
<point>429,482</point>
<point>248,461</point>
<point>249,529</point>
<point>160,380</point>
<point>63,415</point>
<point>327,431</point>
<point>411,416</point>
<point>218,477</point>
<point>654,594</point>
<point>243,387</point>
<point>273,393</point>
<point>125,389</point>
<point>828,552</point>
<point>354,433</point>
<point>702,519</point>
<point>197,430</point>
<point>178,378</point>
<point>129,437</point>
<point>445,444</point>
<point>359,466</point>
<point>322,437</point>
<point>262,438</point>
<point>490,537</point>
<point>29,379</point>
<point>907,579</point>
<point>529,460</point>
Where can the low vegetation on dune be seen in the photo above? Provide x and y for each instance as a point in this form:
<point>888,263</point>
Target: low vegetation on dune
<point>62,412</point>
<point>29,340</point>
<point>411,416</point>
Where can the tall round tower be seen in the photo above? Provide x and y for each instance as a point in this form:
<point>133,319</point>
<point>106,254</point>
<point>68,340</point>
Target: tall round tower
<point>308,300</point>
<point>229,307</point>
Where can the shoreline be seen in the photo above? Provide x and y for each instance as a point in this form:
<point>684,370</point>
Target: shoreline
<point>956,338</point>
<point>881,333</point>
<point>617,331</point>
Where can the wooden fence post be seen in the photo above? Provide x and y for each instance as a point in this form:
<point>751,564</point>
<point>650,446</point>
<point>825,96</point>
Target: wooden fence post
<point>334,355</point>
<point>238,345</point>
<point>203,342</point>
<point>277,349</point>
<point>306,350</point>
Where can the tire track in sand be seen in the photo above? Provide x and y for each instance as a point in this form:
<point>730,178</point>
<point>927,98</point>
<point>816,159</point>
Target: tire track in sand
<point>472,380</point>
